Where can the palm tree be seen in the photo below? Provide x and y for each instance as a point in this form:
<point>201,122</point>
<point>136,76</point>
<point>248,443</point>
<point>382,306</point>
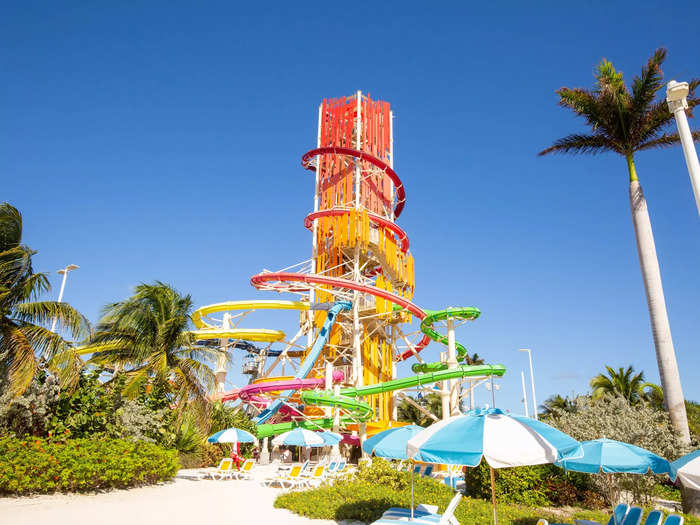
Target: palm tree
<point>621,382</point>
<point>626,122</point>
<point>25,342</point>
<point>147,339</point>
<point>557,403</point>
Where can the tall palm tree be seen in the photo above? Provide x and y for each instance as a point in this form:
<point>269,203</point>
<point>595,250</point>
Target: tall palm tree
<point>147,338</point>
<point>25,341</point>
<point>625,122</point>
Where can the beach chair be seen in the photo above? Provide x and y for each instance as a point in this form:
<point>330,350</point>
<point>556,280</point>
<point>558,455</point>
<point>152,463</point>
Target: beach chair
<point>330,469</point>
<point>417,469</point>
<point>428,472</point>
<point>674,519</point>
<point>654,518</point>
<point>317,477</point>
<point>422,514</point>
<point>224,470</point>
<point>633,516</point>
<point>246,470</point>
<point>617,517</point>
<point>341,469</point>
<point>289,480</point>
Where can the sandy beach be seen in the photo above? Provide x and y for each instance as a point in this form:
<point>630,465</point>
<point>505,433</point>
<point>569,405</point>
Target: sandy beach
<point>180,502</point>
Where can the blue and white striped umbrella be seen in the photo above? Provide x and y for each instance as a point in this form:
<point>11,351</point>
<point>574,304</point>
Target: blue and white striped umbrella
<point>231,435</point>
<point>504,440</point>
<point>331,438</point>
<point>300,437</point>
<point>610,456</point>
<point>391,443</point>
<point>687,469</point>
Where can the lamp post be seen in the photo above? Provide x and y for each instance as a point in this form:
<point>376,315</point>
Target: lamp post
<point>522,379</point>
<point>532,379</point>
<point>676,93</point>
<point>64,272</point>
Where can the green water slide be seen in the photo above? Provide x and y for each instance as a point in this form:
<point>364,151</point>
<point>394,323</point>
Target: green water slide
<point>362,411</point>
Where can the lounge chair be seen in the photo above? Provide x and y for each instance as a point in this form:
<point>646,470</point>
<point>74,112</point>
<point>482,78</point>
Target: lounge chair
<point>291,479</point>
<point>317,477</point>
<point>618,516</point>
<point>633,516</point>
<point>417,469</point>
<point>342,468</point>
<point>428,472</point>
<point>246,470</point>
<point>426,514</point>
<point>654,518</point>
<point>674,519</point>
<point>224,470</point>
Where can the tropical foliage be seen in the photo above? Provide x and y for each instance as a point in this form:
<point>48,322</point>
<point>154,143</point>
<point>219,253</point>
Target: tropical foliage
<point>25,341</point>
<point>626,384</point>
<point>556,402</point>
<point>34,465</point>
<point>409,413</point>
<point>147,338</point>
<point>622,121</point>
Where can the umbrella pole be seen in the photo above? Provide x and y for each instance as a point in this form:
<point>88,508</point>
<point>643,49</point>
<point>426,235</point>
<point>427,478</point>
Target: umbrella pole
<point>412,474</point>
<point>493,495</point>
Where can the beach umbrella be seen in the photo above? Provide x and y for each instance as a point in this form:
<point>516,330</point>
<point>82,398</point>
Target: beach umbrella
<point>502,439</point>
<point>232,435</point>
<point>300,437</point>
<point>330,438</point>
<point>609,457</point>
<point>687,469</point>
<point>391,443</point>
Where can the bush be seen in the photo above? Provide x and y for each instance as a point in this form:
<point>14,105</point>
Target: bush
<point>34,465</point>
<point>366,495</point>
<point>543,485</point>
<point>615,418</point>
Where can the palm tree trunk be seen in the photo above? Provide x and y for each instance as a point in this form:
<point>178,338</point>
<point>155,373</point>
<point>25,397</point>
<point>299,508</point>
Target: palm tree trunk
<point>660,327</point>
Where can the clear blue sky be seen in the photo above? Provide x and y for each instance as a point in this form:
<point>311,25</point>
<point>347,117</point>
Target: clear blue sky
<point>162,140</point>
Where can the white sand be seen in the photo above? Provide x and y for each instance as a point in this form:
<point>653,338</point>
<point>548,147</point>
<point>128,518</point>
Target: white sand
<point>182,501</point>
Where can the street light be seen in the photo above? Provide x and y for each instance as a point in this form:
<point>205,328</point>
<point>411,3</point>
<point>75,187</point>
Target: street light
<point>522,379</point>
<point>532,379</point>
<point>64,272</point>
<point>676,93</point>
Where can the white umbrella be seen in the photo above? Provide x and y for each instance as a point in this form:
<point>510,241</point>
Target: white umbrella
<point>687,469</point>
<point>299,437</point>
<point>502,439</point>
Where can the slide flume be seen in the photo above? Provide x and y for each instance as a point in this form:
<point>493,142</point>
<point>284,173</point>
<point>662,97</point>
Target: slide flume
<point>308,363</point>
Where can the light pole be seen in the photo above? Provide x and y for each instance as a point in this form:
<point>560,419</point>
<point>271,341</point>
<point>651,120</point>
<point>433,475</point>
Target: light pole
<point>522,379</point>
<point>676,93</point>
<point>64,272</point>
<point>532,379</point>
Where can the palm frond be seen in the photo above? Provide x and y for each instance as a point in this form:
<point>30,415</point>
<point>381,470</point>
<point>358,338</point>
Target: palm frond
<point>43,312</point>
<point>16,349</point>
<point>10,227</point>
<point>578,143</point>
<point>666,140</point>
<point>647,84</point>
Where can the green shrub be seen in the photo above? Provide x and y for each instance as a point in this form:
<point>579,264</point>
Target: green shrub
<point>543,485</point>
<point>366,495</point>
<point>34,465</point>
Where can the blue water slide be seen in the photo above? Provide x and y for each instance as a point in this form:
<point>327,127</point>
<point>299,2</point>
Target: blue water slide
<point>308,363</point>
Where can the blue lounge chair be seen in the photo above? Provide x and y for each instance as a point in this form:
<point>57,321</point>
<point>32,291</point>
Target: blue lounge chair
<point>618,516</point>
<point>654,518</point>
<point>633,516</point>
<point>674,519</point>
<point>422,514</point>
<point>428,472</point>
